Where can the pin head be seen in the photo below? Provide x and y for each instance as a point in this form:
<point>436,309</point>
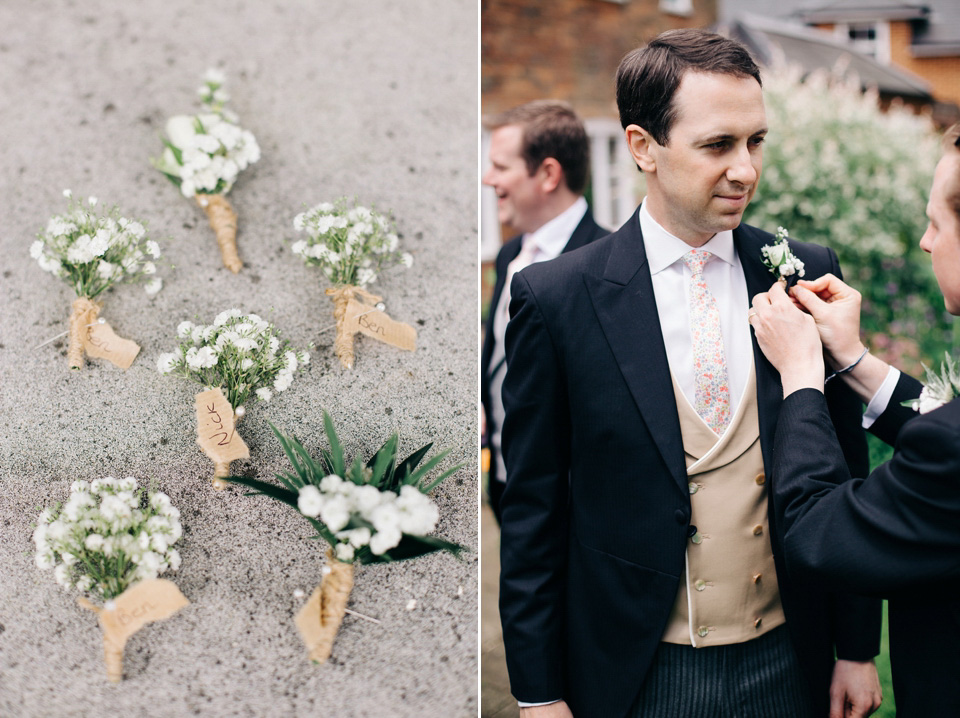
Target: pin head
<point>381,306</point>
<point>240,411</point>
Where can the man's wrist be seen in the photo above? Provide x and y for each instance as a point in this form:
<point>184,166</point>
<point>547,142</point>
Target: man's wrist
<point>845,357</point>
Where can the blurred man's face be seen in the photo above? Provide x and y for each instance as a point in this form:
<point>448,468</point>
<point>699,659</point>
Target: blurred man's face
<point>707,173</point>
<point>942,238</point>
<point>519,195</point>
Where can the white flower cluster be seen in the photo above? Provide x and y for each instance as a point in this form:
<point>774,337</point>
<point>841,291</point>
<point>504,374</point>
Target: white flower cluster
<point>94,250</point>
<point>104,539</point>
<point>338,503</point>
<point>204,153</point>
<point>350,245</point>
<point>239,353</point>
<point>779,259</point>
<point>940,388</point>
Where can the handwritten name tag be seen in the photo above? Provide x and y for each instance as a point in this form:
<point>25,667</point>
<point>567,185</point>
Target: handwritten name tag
<point>143,603</point>
<point>378,325</point>
<point>101,341</point>
<point>215,427</point>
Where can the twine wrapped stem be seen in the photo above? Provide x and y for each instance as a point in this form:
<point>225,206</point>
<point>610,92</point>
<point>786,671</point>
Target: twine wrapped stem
<point>341,296</point>
<point>334,593</point>
<point>85,312</point>
<point>223,220</point>
<point>112,649</point>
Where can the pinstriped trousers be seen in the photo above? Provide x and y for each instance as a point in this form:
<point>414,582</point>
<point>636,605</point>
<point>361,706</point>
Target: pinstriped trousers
<point>757,679</point>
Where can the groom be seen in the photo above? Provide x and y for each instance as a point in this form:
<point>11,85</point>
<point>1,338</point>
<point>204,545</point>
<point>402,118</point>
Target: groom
<point>641,573</point>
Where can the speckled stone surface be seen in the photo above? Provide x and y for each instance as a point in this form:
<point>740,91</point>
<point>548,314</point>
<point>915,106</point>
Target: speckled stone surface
<point>375,100</point>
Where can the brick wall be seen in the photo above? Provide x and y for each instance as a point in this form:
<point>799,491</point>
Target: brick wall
<point>567,49</point>
<point>943,73</point>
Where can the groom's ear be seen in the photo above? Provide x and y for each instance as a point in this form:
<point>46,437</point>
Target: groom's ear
<point>640,144</point>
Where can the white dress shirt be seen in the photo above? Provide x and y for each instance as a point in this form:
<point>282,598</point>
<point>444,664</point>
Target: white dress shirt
<point>548,241</point>
<point>671,286</point>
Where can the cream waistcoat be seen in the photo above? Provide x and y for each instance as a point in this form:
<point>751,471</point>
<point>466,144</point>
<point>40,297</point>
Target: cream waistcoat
<point>729,593</point>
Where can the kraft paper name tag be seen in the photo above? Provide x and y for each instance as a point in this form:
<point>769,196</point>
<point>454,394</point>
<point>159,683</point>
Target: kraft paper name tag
<point>142,603</point>
<point>379,326</point>
<point>308,621</point>
<point>216,432</point>
<point>101,341</point>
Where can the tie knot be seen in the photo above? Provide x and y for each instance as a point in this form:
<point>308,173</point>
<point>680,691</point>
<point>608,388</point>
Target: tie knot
<point>697,259</point>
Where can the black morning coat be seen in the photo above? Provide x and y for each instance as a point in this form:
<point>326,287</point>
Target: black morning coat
<point>596,511</point>
<point>586,231</point>
<point>894,534</point>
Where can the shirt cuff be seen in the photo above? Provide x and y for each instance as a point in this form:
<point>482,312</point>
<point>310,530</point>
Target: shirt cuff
<point>878,404</point>
<point>534,705</point>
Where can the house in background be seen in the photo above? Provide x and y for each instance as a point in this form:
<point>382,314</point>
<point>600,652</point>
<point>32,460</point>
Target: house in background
<point>569,50</point>
<point>907,50</point>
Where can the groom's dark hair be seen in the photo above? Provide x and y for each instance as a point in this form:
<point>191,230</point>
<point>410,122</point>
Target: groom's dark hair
<point>951,145</point>
<point>550,129</point>
<point>648,77</point>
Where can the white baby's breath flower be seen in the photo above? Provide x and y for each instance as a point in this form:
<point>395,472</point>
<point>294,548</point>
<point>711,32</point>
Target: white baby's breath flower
<point>153,286</point>
<point>264,394</point>
<point>309,501</point>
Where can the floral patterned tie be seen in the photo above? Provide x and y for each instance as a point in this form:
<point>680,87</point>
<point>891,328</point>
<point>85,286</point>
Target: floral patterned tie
<point>710,368</point>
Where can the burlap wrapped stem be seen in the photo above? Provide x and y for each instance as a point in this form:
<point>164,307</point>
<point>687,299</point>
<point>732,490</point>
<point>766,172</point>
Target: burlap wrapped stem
<point>223,221</point>
<point>319,620</point>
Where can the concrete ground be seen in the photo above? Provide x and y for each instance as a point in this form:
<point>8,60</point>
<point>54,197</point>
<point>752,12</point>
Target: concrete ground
<point>374,100</point>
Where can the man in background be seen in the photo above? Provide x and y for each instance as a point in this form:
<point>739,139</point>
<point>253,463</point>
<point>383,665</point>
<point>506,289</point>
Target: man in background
<point>540,157</point>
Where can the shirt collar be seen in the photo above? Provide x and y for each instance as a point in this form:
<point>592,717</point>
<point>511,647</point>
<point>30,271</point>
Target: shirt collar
<point>663,249</point>
<point>553,236</point>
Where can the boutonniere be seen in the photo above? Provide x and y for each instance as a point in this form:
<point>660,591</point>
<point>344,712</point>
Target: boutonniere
<point>235,358</point>
<point>353,245</point>
<point>368,512</point>
<point>203,154</point>
<point>781,262</point>
<point>110,541</point>
<point>940,389</point>
<point>92,249</point>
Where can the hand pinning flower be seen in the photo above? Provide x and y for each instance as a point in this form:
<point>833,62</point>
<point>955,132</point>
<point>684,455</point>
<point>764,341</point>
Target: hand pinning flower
<point>93,250</point>
<point>941,388</point>
<point>203,156</point>
<point>368,512</point>
<point>352,245</point>
<point>781,262</point>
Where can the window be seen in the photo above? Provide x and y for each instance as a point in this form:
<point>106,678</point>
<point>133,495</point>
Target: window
<point>677,7</point>
<point>868,38</point>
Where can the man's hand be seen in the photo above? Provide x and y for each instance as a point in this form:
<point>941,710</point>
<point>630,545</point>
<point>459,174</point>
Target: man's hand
<point>854,690</point>
<point>835,307</point>
<point>789,339</point>
<point>551,710</point>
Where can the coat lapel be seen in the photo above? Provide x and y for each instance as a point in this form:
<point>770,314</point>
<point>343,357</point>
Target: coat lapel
<point>626,309</point>
<point>769,389</point>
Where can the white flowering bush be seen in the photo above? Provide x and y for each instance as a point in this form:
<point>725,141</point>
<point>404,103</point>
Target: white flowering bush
<point>94,249</point>
<point>352,245</point>
<point>369,512</point>
<point>840,172</point>
<point>204,153</point>
<point>239,353</point>
<point>108,536</point>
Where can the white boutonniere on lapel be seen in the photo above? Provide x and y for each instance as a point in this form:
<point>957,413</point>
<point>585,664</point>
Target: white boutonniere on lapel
<point>781,262</point>
<point>940,389</point>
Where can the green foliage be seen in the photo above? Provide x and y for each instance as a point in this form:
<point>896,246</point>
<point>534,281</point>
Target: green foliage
<point>382,472</point>
<point>839,172</point>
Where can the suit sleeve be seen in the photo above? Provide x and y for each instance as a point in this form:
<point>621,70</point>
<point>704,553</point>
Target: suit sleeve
<point>891,533</point>
<point>857,619</point>
<point>533,539</point>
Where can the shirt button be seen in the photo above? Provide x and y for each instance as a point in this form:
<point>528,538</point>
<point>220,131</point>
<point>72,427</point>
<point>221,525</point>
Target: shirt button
<point>703,631</point>
<point>756,623</point>
<point>696,538</point>
<point>700,584</point>
<point>757,530</point>
<point>693,487</point>
<point>757,577</point>
<point>761,479</point>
